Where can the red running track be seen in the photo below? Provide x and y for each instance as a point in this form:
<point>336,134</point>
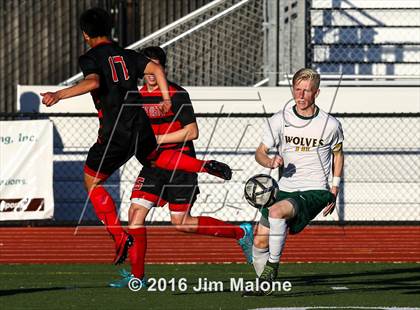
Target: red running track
<point>165,245</point>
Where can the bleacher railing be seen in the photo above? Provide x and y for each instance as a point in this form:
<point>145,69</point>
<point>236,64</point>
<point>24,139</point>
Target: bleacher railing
<point>220,44</point>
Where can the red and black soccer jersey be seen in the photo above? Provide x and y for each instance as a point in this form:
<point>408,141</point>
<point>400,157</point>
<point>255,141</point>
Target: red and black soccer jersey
<point>180,114</point>
<point>118,69</point>
<point>158,186</point>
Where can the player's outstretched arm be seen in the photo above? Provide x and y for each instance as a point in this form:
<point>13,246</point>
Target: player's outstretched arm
<point>261,156</point>
<point>159,73</point>
<point>90,83</point>
<point>337,168</point>
<point>188,133</point>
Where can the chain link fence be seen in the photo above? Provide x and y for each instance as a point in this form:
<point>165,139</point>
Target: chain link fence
<point>365,37</point>
<point>381,178</point>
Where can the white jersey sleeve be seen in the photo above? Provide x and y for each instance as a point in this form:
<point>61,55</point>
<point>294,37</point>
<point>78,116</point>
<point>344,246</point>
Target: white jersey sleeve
<point>273,130</point>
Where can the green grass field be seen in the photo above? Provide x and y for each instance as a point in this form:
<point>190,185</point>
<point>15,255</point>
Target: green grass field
<point>313,285</point>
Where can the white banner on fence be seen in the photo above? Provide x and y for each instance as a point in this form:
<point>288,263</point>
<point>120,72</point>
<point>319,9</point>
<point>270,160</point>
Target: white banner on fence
<point>26,173</point>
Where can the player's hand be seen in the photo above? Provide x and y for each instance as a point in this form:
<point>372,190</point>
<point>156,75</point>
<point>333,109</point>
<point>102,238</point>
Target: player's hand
<point>275,162</point>
<point>331,206</point>
<point>50,98</point>
<point>165,106</point>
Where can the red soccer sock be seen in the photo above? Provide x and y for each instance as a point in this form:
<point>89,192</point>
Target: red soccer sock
<point>176,160</point>
<point>213,227</point>
<point>137,251</point>
<point>106,211</point>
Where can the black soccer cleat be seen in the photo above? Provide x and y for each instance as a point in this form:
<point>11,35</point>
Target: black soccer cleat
<point>122,249</point>
<point>218,169</point>
<point>270,272</point>
<point>264,285</point>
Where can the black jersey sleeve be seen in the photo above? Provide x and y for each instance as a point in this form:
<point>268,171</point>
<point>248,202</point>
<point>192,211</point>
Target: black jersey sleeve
<point>88,65</point>
<point>182,107</point>
<point>142,62</point>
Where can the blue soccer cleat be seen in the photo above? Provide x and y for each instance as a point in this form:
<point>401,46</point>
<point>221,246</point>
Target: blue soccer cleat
<point>247,241</point>
<point>125,280</point>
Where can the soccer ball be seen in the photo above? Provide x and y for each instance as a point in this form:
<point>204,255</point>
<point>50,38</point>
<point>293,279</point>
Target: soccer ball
<point>260,190</point>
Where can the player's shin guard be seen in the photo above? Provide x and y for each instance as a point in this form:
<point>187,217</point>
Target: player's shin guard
<point>213,227</point>
<point>176,160</point>
<point>260,258</point>
<point>277,238</point>
<point>106,211</point>
<point>137,251</point>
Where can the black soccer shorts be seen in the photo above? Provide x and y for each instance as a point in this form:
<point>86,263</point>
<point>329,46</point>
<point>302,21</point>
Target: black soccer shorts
<point>133,136</point>
<point>157,187</point>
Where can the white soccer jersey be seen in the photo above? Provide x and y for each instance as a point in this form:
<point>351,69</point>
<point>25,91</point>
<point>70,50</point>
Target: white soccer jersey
<point>306,144</point>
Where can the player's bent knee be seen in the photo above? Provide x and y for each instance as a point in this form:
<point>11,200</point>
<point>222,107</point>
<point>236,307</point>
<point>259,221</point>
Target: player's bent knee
<point>184,228</point>
<point>261,242</point>
<point>183,223</point>
<point>137,215</point>
<point>177,219</point>
<point>91,182</point>
<point>136,208</point>
<point>88,184</point>
<point>282,209</point>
